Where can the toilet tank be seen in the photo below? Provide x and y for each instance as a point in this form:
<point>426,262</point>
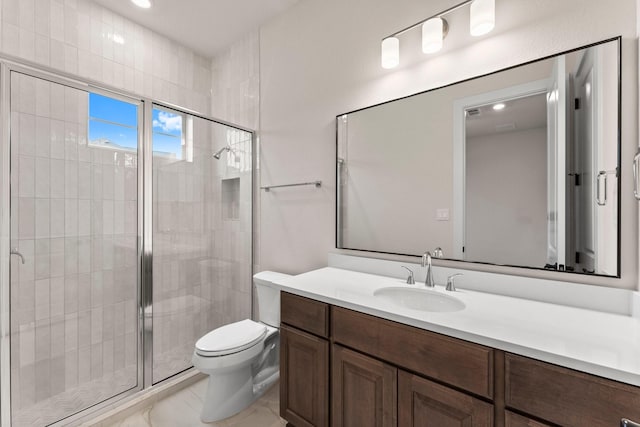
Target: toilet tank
<point>268,296</point>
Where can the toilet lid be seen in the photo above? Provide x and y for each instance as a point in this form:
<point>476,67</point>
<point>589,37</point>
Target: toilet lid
<point>231,338</point>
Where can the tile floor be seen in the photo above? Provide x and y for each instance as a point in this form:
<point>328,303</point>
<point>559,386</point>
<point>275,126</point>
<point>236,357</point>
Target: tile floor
<point>182,409</point>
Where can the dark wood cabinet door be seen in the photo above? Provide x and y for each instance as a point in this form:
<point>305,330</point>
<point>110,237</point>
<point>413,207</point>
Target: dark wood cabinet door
<point>364,390</point>
<point>304,378</point>
<point>425,403</point>
<point>515,420</point>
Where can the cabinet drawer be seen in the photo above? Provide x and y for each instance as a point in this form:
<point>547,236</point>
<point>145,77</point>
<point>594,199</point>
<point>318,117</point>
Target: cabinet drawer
<point>566,397</point>
<point>458,363</point>
<point>304,313</point>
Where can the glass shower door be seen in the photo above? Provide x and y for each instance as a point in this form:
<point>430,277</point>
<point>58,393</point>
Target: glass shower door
<point>202,193</point>
<point>74,232</point>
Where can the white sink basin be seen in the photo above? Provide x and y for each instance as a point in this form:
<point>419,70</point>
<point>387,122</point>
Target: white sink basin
<point>420,299</point>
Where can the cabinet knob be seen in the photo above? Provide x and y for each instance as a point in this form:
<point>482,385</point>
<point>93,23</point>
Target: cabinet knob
<point>628,423</point>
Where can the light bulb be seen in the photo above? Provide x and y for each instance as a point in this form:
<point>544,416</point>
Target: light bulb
<point>432,31</point>
<point>145,4</point>
<point>483,17</point>
<point>390,56</point>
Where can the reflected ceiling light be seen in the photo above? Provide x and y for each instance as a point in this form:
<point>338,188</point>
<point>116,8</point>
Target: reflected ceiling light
<point>433,32</point>
<point>435,28</point>
<point>145,4</point>
<point>499,106</point>
<point>390,52</point>
<point>482,17</point>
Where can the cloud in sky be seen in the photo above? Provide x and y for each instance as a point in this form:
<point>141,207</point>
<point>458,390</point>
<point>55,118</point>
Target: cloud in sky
<point>169,123</point>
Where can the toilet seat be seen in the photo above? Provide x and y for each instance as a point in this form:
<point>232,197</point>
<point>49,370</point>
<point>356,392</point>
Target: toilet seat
<point>231,338</point>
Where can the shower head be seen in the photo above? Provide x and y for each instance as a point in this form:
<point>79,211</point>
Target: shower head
<point>220,151</point>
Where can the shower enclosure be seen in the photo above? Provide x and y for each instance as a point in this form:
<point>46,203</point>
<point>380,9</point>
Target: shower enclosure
<point>123,240</point>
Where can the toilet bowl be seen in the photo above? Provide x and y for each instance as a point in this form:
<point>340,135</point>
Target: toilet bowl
<point>241,358</point>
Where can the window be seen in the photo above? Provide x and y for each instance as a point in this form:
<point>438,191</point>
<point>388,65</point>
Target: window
<point>172,135</point>
<point>112,123</point>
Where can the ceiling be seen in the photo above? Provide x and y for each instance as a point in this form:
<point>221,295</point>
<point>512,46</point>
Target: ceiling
<point>206,26</point>
<point>529,112</point>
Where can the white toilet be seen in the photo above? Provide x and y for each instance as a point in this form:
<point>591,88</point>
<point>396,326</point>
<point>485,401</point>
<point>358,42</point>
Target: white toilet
<point>241,358</point>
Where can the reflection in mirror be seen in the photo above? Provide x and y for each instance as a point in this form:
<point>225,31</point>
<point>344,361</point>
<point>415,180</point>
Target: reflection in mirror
<point>517,168</point>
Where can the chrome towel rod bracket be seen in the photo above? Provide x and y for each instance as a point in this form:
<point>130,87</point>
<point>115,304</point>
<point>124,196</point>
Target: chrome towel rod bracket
<point>317,184</point>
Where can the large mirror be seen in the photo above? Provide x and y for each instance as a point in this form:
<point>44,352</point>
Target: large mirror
<point>520,167</point>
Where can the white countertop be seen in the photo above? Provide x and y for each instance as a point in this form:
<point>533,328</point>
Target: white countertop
<point>591,341</point>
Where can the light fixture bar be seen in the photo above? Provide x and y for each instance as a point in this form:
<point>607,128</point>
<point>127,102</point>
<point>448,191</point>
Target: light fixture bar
<point>437,15</point>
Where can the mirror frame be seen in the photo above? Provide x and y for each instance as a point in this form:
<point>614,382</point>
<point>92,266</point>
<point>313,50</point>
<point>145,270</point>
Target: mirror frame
<point>617,39</point>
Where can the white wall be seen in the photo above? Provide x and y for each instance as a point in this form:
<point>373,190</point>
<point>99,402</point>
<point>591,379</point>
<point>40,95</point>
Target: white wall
<point>322,58</point>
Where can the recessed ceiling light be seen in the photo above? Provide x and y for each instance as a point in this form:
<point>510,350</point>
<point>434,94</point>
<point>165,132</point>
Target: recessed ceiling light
<point>499,107</point>
<point>145,4</point>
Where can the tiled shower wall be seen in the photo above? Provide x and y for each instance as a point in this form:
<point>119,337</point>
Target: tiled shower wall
<point>80,37</point>
<point>236,98</point>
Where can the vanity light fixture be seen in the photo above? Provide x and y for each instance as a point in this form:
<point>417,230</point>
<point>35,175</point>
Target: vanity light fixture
<point>482,17</point>
<point>435,28</point>
<point>433,32</point>
<point>145,4</point>
<point>390,52</point>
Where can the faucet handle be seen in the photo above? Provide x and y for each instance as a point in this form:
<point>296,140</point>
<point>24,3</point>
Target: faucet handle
<point>450,285</point>
<point>410,279</point>
<point>437,252</point>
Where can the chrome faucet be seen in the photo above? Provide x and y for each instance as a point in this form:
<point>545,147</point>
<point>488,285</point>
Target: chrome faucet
<point>426,262</point>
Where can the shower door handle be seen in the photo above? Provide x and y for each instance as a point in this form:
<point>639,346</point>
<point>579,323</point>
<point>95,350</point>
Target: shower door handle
<point>599,179</point>
<point>14,251</point>
<point>636,159</point>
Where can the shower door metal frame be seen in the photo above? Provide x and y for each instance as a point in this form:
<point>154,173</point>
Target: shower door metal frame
<point>5,241</point>
<point>8,66</point>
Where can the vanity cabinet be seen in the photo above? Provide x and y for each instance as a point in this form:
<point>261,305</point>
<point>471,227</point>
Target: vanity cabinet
<point>344,368</point>
<point>376,370</point>
<point>304,362</point>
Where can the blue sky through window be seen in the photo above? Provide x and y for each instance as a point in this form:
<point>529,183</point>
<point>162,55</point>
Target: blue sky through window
<point>167,133</point>
<point>112,123</point>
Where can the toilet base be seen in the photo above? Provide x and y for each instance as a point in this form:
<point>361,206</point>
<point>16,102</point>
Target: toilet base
<point>227,394</point>
<point>219,403</point>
